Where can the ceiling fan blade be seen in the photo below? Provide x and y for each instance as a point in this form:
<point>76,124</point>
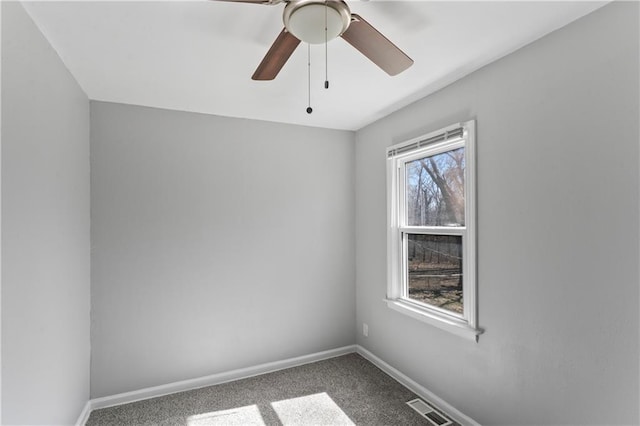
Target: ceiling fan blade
<point>372,44</point>
<point>276,57</point>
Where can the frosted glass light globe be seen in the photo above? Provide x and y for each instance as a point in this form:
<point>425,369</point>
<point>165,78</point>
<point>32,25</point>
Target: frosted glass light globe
<point>308,23</point>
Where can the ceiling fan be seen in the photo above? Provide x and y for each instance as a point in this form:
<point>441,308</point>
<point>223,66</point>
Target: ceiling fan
<point>319,21</point>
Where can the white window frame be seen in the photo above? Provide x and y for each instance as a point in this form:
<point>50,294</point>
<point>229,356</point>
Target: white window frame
<point>449,138</point>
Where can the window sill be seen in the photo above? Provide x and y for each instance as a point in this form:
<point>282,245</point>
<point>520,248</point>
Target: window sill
<point>456,326</point>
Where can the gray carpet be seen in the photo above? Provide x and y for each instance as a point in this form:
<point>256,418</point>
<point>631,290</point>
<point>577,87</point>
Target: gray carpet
<point>345,390</point>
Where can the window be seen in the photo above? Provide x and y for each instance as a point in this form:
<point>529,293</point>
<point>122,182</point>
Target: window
<point>431,232</point>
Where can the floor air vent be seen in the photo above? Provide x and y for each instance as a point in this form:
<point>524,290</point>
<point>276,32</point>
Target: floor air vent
<point>436,418</point>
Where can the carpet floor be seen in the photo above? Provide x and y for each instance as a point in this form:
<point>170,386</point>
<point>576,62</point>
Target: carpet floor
<point>345,390</point>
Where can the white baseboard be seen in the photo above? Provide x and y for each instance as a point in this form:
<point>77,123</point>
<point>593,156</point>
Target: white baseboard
<point>417,388</point>
<point>243,373</point>
<point>84,415</point>
<point>216,379</point>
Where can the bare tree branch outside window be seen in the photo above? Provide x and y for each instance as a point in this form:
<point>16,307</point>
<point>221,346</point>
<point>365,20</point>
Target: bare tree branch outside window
<point>435,190</point>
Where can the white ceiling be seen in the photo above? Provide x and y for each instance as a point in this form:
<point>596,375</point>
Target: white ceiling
<point>199,55</point>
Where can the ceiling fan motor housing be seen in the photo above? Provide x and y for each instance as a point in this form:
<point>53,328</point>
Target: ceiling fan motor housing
<point>306,19</point>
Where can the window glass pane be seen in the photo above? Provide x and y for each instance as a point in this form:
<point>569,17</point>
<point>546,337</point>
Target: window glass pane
<point>435,190</point>
<point>435,270</point>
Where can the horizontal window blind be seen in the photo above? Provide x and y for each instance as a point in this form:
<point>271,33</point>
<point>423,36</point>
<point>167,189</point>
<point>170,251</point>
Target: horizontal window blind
<point>442,137</point>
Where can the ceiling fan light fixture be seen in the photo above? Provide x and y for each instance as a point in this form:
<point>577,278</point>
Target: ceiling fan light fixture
<point>305,19</point>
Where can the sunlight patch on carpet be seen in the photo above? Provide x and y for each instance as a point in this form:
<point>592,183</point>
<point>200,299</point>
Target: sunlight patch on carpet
<point>318,409</point>
<point>249,415</point>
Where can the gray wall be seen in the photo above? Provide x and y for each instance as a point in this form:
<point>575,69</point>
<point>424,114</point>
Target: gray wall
<point>45,230</point>
<point>557,141</point>
<point>217,244</point>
